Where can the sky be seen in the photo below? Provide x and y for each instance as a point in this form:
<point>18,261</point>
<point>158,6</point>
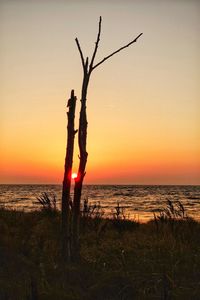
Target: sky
<point>143,104</point>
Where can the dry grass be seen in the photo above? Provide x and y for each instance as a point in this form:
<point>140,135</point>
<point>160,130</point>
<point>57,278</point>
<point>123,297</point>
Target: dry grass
<point>120,259</point>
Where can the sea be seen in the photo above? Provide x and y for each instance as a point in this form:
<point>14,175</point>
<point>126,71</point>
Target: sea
<point>138,202</point>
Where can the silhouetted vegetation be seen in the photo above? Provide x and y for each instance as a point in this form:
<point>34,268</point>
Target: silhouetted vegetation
<point>47,202</point>
<point>173,211</point>
<point>120,259</point>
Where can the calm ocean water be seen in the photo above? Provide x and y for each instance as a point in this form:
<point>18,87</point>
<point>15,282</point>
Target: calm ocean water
<point>139,202</point>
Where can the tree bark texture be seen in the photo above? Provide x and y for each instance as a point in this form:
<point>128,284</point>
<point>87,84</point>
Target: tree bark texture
<point>66,238</point>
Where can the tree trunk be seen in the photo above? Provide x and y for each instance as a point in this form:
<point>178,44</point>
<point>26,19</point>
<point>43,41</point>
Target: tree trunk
<point>66,239</point>
<point>82,138</point>
<point>82,134</point>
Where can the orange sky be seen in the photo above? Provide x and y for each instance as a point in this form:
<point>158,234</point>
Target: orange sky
<point>143,104</point>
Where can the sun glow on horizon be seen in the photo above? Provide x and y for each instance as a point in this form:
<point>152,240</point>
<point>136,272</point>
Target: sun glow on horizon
<point>143,126</point>
<point>74,175</point>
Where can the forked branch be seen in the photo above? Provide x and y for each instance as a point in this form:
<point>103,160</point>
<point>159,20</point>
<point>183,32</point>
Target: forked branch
<point>91,67</point>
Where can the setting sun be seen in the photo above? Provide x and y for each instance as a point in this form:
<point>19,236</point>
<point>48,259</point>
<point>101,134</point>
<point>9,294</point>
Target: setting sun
<point>74,175</point>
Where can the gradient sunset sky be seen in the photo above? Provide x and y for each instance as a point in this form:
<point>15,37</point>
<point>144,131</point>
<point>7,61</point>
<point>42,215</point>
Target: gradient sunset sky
<point>143,103</point>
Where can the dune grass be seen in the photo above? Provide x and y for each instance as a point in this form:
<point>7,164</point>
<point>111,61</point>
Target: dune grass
<point>121,259</point>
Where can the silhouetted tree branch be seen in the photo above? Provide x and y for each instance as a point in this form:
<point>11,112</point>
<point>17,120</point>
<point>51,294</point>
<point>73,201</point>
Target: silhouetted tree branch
<point>96,46</point>
<point>81,53</point>
<point>115,52</point>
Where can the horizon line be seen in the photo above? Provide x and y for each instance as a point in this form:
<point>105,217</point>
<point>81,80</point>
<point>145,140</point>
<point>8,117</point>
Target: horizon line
<point>109,184</point>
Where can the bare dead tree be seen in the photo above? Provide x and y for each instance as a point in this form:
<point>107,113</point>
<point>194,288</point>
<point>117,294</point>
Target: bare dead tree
<point>66,243</point>
<point>82,131</point>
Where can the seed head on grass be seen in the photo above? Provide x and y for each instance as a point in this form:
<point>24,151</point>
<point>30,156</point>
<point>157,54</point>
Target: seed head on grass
<point>47,202</point>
